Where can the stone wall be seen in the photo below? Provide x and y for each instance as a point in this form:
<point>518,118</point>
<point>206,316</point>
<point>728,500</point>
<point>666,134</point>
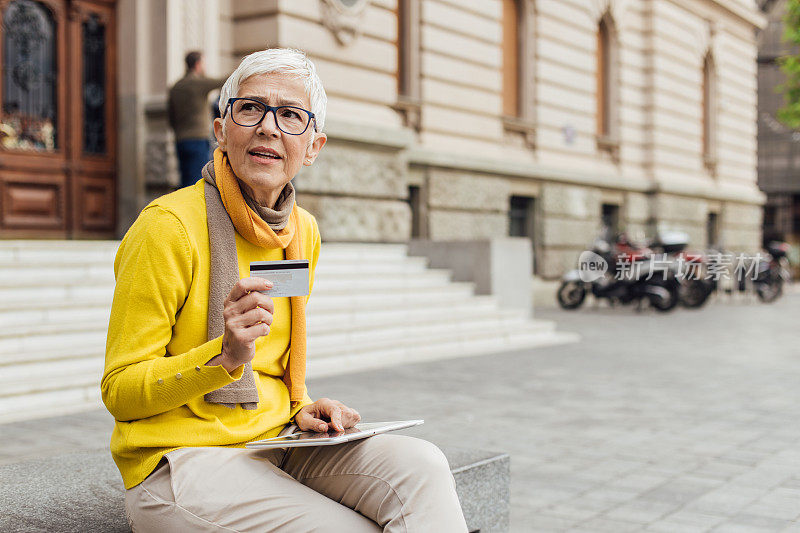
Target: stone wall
<point>464,206</point>
<point>741,227</point>
<point>636,216</point>
<point>571,221</point>
<point>682,213</point>
<point>358,192</point>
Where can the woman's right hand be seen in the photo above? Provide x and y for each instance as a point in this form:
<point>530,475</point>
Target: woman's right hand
<point>248,316</point>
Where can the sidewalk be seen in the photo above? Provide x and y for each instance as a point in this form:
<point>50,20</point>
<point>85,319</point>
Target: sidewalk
<point>684,421</point>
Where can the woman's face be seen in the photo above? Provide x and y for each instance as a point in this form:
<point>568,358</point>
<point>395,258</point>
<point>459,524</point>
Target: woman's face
<point>264,177</point>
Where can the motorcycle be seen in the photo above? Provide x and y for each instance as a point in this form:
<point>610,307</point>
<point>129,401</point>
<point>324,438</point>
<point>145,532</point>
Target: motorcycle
<point>694,286</point>
<point>630,276</point>
<point>772,272</point>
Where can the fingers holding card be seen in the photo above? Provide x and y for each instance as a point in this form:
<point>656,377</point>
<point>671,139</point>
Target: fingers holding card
<point>289,277</point>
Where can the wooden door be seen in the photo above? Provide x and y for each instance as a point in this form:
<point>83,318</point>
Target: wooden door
<point>57,120</point>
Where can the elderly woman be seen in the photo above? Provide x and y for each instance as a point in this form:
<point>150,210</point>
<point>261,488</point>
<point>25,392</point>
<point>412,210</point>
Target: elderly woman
<point>200,361</point>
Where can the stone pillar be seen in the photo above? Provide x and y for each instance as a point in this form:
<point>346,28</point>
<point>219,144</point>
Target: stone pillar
<point>500,266</point>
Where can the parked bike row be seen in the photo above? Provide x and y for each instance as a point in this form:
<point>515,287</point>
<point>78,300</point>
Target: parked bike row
<point>661,273</point>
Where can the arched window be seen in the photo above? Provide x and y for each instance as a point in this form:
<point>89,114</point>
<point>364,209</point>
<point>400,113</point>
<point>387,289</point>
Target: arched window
<point>709,111</point>
<point>28,120</point>
<point>511,58</point>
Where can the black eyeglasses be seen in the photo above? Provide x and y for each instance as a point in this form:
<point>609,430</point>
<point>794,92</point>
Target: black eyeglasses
<point>289,119</point>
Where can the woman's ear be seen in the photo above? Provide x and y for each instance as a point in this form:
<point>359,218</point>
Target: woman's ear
<point>219,132</point>
<point>313,149</point>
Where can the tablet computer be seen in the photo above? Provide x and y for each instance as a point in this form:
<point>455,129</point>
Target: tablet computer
<point>312,438</point>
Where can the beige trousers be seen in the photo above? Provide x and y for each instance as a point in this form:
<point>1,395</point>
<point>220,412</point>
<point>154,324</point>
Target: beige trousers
<point>390,483</point>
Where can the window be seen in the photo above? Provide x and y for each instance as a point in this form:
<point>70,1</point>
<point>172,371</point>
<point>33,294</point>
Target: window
<point>511,58</point>
<point>418,212</point>
<point>606,91</point>
<point>610,220</point>
<point>517,63</point>
<point>522,222</point>
<point>519,216</point>
<point>712,230</point>
<point>709,112</point>
<point>408,62</point>
<point>28,120</point>
<point>94,85</point>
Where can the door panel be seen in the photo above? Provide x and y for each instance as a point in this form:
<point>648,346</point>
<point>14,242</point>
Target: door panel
<point>33,201</point>
<point>57,121</point>
<point>96,199</point>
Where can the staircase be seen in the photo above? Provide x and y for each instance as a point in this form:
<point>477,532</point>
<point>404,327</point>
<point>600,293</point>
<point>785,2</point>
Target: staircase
<point>372,306</point>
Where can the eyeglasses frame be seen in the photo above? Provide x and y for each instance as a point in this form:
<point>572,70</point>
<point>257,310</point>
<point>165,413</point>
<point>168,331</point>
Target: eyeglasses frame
<point>274,109</point>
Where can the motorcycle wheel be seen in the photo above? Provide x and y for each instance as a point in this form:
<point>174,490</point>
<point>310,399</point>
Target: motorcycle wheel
<point>694,294</point>
<point>666,304</point>
<point>770,291</point>
<point>571,294</point>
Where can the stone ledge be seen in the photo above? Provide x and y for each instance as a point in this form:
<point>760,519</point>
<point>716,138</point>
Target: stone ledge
<point>716,191</point>
<point>83,492</point>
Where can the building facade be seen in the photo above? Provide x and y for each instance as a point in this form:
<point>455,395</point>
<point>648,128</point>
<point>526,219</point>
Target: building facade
<point>778,146</point>
<point>472,119</point>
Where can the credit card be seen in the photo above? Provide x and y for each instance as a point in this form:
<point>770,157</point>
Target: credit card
<point>289,277</point>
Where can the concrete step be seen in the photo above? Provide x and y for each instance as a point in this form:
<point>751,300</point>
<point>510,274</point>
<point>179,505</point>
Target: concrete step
<point>93,271</point>
<point>355,252</point>
<point>57,294</point>
<point>50,403</point>
<point>29,495</point>
<point>88,274</point>
<point>58,341</point>
<point>344,299</point>
<point>414,337</point>
<point>35,316</point>
<point>385,317</point>
<point>392,355</point>
<point>32,319</point>
<point>36,377</point>
<point>328,265</point>
<point>51,375</point>
<point>69,341</point>
<point>49,252</point>
<point>372,306</point>
<point>390,281</point>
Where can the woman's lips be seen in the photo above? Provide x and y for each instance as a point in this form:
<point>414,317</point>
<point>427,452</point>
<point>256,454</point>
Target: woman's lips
<point>263,160</point>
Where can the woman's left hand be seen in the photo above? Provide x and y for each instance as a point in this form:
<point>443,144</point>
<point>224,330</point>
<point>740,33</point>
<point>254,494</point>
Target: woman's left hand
<point>324,415</point>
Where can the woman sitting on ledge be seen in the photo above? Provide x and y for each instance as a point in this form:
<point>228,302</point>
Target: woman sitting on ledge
<point>199,362</point>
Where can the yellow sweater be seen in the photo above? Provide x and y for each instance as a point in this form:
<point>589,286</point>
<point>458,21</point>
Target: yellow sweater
<point>155,374</point>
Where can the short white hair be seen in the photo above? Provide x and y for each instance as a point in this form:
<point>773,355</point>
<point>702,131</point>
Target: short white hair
<point>279,61</point>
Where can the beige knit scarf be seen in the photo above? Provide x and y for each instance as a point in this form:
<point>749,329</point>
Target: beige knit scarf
<point>225,274</point>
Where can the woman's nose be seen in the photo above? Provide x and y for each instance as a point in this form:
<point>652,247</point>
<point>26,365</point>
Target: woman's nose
<point>269,125</point>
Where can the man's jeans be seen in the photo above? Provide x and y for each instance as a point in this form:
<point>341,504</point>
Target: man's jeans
<point>193,154</point>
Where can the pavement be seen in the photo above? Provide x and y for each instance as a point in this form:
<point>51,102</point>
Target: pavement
<point>677,422</point>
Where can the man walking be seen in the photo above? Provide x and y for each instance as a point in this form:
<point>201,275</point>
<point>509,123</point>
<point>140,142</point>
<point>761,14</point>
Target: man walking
<point>189,117</point>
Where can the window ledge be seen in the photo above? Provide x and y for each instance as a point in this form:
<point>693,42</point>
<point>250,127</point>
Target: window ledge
<point>710,162</point>
<point>608,142</point>
<point>521,126</point>
<point>411,110</point>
